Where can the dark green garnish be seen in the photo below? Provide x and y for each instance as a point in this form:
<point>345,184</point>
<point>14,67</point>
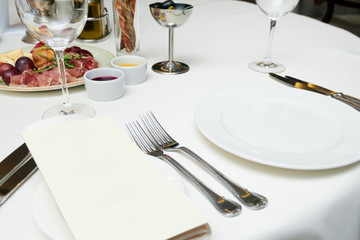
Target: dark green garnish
<point>44,69</point>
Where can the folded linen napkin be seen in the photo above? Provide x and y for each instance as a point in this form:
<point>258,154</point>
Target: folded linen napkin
<point>106,188</point>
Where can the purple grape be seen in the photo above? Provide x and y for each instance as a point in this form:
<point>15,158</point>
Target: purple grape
<point>5,66</point>
<point>24,63</point>
<point>7,74</point>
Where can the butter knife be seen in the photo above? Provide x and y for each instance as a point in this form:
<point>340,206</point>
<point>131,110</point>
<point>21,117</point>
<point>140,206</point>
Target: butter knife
<point>297,83</point>
<point>17,179</point>
<point>14,170</point>
<point>13,162</point>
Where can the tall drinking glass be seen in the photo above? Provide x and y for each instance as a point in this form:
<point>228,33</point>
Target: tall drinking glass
<point>274,9</point>
<point>57,23</point>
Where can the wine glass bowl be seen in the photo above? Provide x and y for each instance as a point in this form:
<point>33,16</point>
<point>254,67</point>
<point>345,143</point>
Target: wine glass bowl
<point>56,23</point>
<point>274,9</point>
<point>171,18</point>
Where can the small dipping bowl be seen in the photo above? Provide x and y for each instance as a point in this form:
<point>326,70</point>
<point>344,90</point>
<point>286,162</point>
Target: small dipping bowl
<point>134,67</point>
<point>104,84</point>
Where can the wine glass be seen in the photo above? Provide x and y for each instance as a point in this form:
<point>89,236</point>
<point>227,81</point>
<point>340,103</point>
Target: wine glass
<point>57,23</point>
<point>274,9</point>
<point>174,16</point>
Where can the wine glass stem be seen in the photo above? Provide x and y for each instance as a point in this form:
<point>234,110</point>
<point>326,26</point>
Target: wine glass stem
<point>171,44</point>
<point>268,60</point>
<point>67,107</point>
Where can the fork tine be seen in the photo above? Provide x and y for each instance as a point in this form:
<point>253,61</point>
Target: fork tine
<point>130,133</point>
<point>160,130</point>
<point>158,125</point>
<point>137,136</point>
<point>134,136</point>
<point>149,141</point>
<point>152,130</point>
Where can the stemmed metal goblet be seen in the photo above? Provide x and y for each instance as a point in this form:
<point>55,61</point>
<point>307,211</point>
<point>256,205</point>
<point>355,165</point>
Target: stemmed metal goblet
<point>171,18</point>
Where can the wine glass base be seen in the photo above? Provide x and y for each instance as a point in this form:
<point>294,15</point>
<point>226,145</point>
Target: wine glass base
<point>170,67</point>
<point>267,68</point>
<point>82,110</point>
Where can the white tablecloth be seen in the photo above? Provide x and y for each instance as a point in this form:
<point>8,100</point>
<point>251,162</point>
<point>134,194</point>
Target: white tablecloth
<point>218,42</point>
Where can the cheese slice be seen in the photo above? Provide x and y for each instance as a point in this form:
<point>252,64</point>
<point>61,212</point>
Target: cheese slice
<point>13,55</point>
<point>6,60</point>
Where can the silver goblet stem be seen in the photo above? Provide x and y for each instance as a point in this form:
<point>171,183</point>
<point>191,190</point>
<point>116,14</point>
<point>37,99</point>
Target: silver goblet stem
<point>171,44</point>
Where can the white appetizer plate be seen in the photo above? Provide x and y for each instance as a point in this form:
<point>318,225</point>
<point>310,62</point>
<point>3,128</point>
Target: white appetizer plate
<point>281,126</point>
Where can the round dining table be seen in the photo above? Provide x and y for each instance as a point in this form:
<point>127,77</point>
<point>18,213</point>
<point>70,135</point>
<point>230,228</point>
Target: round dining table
<point>218,42</point>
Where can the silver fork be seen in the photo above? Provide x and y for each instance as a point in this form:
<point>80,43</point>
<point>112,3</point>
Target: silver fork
<point>227,207</point>
<point>252,200</point>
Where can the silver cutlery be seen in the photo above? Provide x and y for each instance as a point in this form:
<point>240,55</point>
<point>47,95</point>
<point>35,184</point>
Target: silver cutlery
<point>297,83</point>
<point>15,169</point>
<point>13,162</point>
<point>252,200</point>
<point>227,207</point>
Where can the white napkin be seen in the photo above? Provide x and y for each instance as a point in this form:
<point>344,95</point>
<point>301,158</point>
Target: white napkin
<point>106,188</point>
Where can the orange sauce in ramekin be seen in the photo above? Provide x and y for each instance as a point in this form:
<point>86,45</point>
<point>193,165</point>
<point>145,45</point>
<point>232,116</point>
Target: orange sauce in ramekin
<point>128,65</point>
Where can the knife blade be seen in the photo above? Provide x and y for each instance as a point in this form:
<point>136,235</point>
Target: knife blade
<point>297,83</point>
<point>12,162</point>
<point>12,183</point>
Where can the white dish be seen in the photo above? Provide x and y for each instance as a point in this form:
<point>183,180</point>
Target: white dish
<point>135,74</point>
<point>281,126</point>
<point>102,56</point>
<point>105,90</point>
<point>48,216</point>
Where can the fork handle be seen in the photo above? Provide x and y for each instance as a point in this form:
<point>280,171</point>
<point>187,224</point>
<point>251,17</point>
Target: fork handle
<point>227,207</point>
<point>252,200</point>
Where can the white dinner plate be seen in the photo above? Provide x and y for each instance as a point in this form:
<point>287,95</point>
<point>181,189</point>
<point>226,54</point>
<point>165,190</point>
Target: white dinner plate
<point>281,126</point>
<point>102,56</point>
<point>48,216</point>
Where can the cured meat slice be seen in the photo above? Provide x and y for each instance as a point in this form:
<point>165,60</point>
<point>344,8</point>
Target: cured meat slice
<point>82,65</point>
<point>29,79</point>
<point>15,80</point>
<point>51,77</point>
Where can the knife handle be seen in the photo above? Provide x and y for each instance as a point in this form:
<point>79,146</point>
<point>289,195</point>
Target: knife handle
<point>351,101</point>
<point>13,161</point>
<point>16,168</point>
<point>17,179</point>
